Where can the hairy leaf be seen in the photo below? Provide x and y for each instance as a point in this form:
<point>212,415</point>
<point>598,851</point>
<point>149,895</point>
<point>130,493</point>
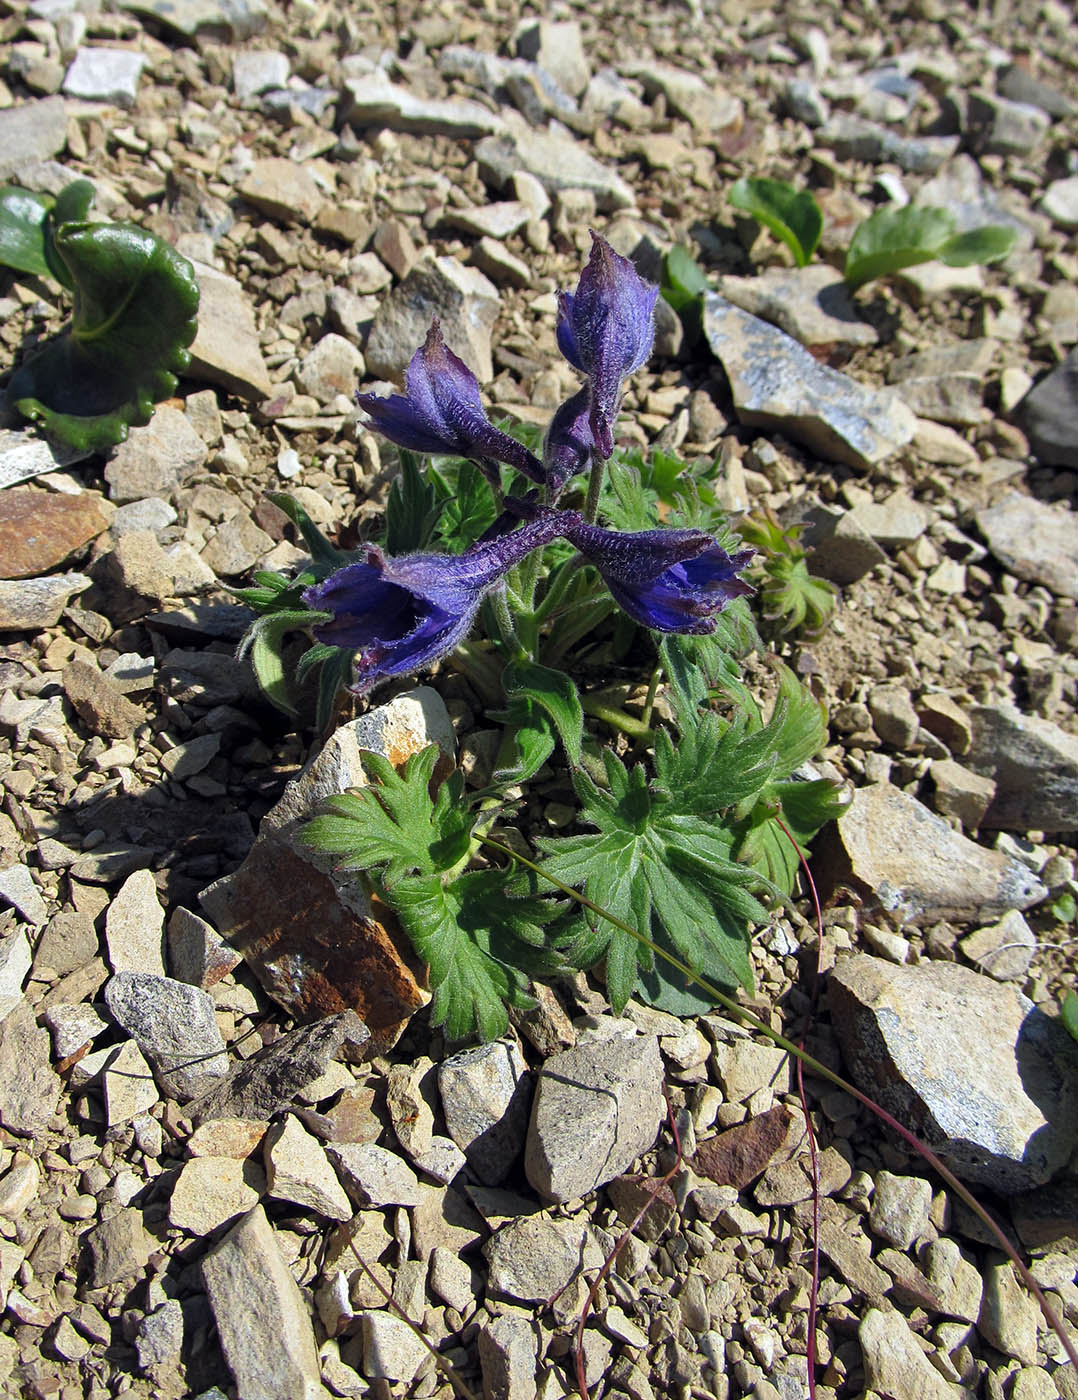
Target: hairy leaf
<point>394,826</point>
<point>411,510</point>
<point>136,304</point>
<point>792,598</point>
<point>552,692</point>
<point>790,214</point>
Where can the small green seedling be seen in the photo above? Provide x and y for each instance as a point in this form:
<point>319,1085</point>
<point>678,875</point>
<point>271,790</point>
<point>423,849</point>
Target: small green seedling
<point>790,214</point>
<point>892,239</point>
<point>135,313</point>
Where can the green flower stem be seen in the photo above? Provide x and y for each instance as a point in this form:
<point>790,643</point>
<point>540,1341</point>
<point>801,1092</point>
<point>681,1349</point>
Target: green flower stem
<point>586,616</point>
<point>561,582</point>
<point>653,688</point>
<point>595,488</point>
<point>482,670</point>
<point>822,1071</point>
<point>499,603</point>
<point>616,718</point>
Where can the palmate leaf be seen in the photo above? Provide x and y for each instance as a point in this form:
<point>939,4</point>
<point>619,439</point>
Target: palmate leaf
<point>394,826</point>
<point>657,864</point>
<point>136,305</point>
<point>482,945</point>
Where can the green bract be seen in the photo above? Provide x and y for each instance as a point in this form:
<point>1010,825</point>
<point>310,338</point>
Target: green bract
<point>135,313</point>
<point>892,239</point>
<point>791,215</point>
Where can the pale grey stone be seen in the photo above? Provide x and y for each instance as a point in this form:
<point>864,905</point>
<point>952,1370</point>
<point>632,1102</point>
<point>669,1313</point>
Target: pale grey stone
<point>375,1176</point>
<point>558,47</point>
<point>31,604</point>
<point>812,304</point>
<point>237,19</point>
<point>175,1026</point>
<point>508,1348</point>
<point>465,301</point>
<point>556,161</point>
<point>451,1280</point>
<point>105,75</point>
<point>298,1170</point>
<point>156,459</point>
<point>1034,764</point>
<point>119,1248</point>
<point>490,220</point>
<point>135,926</point>
<point>1034,541</point>
<point>597,1107</point>
<point>209,1191</point>
<point>129,1085</point>
<point>1009,1316</point>
<point>805,102</point>
<point>486,1097</point>
<point>391,1350</point>
<point>893,523</point>
<point>263,1322</point>
<point>777,384</point>
<point>960,188</point>
<point>900,1208</point>
<point>533,1258</point>
<point>333,367</point>
<point>227,350</point>
<point>18,889</point>
<point>1007,1117</point>
<point>894,1363</point>
<point>1019,85</point>
<point>1060,203</point>
<point>24,455</point>
<point>1003,950</point>
<point>707,105</point>
<point>283,189</point>
<point>999,126</point>
<point>258,70</point>
<point>29,132</point>
<point>888,844</point>
<point>373,100</point>
<point>856,138</point>
<point>74,1025</point>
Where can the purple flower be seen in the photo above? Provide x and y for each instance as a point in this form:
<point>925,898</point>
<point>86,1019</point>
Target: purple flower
<point>672,580</point>
<point>441,411</point>
<point>569,443</point>
<point>400,614</point>
<point>606,329</point>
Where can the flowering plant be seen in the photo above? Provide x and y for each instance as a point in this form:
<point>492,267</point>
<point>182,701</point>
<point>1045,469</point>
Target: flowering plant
<point>529,567</point>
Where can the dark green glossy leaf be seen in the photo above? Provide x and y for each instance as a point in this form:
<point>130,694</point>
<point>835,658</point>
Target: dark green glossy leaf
<point>136,303</point>
<point>986,244</point>
<point>72,207</point>
<point>1070,1013</point>
<point>684,280</point>
<point>22,230</point>
<point>790,214</point>
<point>892,239</point>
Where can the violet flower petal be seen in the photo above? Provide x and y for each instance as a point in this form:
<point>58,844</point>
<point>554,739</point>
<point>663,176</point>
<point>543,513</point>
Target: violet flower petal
<point>670,580</point>
<point>441,411</point>
<point>569,444</point>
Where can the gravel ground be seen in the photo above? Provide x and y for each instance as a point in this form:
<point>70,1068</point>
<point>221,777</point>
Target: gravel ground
<point>171,1228</point>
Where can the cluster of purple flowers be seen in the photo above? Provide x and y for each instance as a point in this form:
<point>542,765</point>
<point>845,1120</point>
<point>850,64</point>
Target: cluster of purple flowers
<point>400,614</point>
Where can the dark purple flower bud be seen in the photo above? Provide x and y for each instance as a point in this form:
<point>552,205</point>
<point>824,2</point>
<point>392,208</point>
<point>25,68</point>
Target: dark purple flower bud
<point>606,329</point>
<point>440,411</point>
<point>672,580</point>
<point>569,443</point>
<point>401,614</point>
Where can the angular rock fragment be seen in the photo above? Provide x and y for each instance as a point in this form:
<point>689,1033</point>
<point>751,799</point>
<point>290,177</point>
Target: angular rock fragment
<point>465,302</point>
<point>1034,765</point>
<point>533,1258</point>
<point>156,458</point>
<point>894,1363</point>
<point>28,1087</point>
<point>261,1087</point>
<point>262,1319</point>
<point>1034,541</point>
<point>890,845</point>
<point>31,131</point>
<point>1007,1117</point>
<point>119,1248</point>
<point>777,384</point>
<point>175,1027</point>
<point>30,604</point>
<point>597,1107</point>
<point>486,1095</point>
<point>306,933</point>
<point>375,101</point>
<point>556,161</point>
<point>812,304</point>
<point>98,703</point>
<point>227,350</point>
<point>298,1170</point>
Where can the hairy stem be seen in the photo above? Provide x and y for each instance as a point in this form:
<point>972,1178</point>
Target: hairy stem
<point>595,487</point>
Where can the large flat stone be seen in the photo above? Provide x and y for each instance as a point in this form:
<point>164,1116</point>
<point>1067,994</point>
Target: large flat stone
<point>777,384</point>
<point>1005,1116</point>
<point>30,132</point>
<point>557,162</point>
<point>465,302</point>
<point>1034,764</point>
<point>1034,541</point>
<point>890,846</point>
<point>226,350</point>
<point>39,529</point>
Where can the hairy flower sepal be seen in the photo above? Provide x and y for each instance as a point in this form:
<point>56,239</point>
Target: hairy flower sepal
<point>399,615</point>
<point>606,329</point>
<point>441,412</point>
<point>671,580</point>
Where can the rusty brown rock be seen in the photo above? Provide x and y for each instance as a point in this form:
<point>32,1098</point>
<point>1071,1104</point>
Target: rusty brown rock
<point>739,1155</point>
<point>311,936</point>
<point>39,530</point>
